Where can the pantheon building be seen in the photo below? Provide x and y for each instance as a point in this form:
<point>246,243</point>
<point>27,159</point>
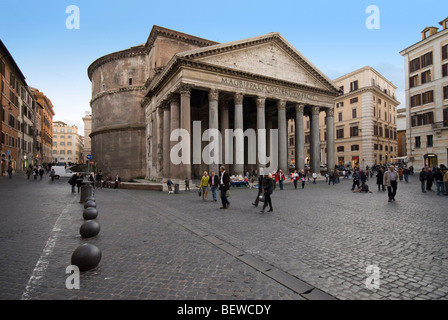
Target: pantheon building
<point>141,95</point>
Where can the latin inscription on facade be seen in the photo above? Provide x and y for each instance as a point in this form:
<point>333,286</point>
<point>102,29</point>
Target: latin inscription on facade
<point>267,89</point>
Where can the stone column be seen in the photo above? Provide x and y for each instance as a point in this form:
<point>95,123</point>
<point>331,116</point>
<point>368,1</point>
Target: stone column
<point>238,166</point>
<point>213,98</point>
<point>185,109</point>
<point>261,133</point>
<point>159,142</point>
<point>174,112</point>
<point>300,138</point>
<point>282,137</point>
<point>315,142</point>
<point>330,139</point>
<point>224,117</point>
<point>166,140</point>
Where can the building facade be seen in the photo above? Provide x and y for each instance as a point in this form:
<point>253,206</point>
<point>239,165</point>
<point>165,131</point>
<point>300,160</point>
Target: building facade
<point>365,128</point>
<point>46,112</point>
<point>426,74</point>
<point>67,144</point>
<point>87,140</point>
<point>153,103</point>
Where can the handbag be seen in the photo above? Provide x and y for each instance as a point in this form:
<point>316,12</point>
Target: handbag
<point>199,193</point>
<point>261,198</point>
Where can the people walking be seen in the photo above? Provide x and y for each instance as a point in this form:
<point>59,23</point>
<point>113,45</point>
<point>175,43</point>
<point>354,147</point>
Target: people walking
<point>422,178</point>
<point>41,172</point>
<point>52,174</point>
<point>204,185</point>
<point>429,179</point>
<point>260,189</point>
<point>99,179</point>
<point>224,186</point>
<point>302,178</point>
<point>72,181</point>
<point>390,181</point>
<point>281,178</point>
<point>438,177</point>
<point>406,173</point>
<point>355,180</point>
<point>187,184</point>
<point>295,178</point>
<point>214,185</point>
<point>379,179</point>
<point>268,187</point>
<point>29,171</point>
<point>9,171</point>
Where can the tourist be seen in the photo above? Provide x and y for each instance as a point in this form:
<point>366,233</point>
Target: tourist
<point>9,171</point>
<point>204,185</point>
<point>445,177</point>
<point>224,187</point>
<point>260,188</point>
<point>356,177</point>
<point>72,181</point>
<point>364,188</point>
<point>52,174</point>
<point>295,178</point>
<point>99,179</point>
<point>187,184</point>
<point>429,179</point>
<point>390,181</point>
<point>281,178</point>
<point>267,191</point>
<point>314,177</point>
<point>400,173</point>
<point>214,185</point>
<point>422,178</point>
<point>438,177</point>
<point>41,172</point>
<point>170,183</point>
<point>117,181</point>
<point>379,179</point>
<point>406,173</point>
<point>302,177</point>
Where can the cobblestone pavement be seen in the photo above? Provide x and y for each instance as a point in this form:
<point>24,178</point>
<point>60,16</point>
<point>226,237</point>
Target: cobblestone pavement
<point>317,243</point>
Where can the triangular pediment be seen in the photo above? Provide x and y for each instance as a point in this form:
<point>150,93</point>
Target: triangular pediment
<point>268,56</point>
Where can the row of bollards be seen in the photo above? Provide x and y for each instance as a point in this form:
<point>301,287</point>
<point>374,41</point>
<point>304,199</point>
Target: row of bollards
<point>87,256</point>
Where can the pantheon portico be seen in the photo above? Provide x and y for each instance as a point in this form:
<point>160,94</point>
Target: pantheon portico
<point>252,84</point>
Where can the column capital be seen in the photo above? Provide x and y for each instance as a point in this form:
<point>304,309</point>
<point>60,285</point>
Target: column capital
<point>315,110</point>
<point>213,94</point>
<point>261,102</point>
<point>281,105</point>
<point>173,98</point>
<point>300,107</point>
<point>185,89</point>
<point>238,98</point>
<point>330,112</point>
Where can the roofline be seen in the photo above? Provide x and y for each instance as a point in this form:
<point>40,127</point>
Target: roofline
<point>363,69</point>
<point>157,30</point>
<point>423,41</point>
<point>9,56</point>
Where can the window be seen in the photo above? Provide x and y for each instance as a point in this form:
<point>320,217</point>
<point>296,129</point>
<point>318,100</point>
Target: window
<point>354,131</point>
<point>69,143</point>
<point>340,149</point>
<point>445,70</point>
<point>353,100</point>
<point>416,100</point>
<point>426,59</point>
<point>341,89</point>
<point>426,76</point>
<point>2,68</point>
<point>340,133</point>
<point>413,81</point>
<point>355,147</point>
<point>380,131</point>
<point>354,85</point>
<point>422,119</point>
<point>428,97</point>
<point>307,138</point>
<point>130,81</point>
<point>429,140</point>
<point>445,52</point>
<point>427,34</point>
<point>414,65</point>
<point>354,113</point>
<point>62,143</point>
<point>445,117</point>
<point>291,141</point>
<point>379,101</point>
<point>445,92</point>
<point>340,104</point>
<point>340,116</point>
<point>69,151</point>
<point>417,142</point>
<point>55,151</point>
<point>375,129</point>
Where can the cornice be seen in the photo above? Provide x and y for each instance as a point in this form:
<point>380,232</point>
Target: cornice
<point>198,65</point>
<point>128,53</point>
<point>119,90</point>
<point>367,89</point>
<point>108,129</point>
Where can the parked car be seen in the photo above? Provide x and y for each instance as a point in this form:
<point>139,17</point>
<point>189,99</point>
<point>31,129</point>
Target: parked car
<point>62,172</point>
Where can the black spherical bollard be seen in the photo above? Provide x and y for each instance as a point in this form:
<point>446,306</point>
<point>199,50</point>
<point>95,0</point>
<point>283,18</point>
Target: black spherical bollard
<point>89,198</point>
<point>86,257</point>
<point>89,229</point>
<point>89,203</point>
<point>90,213</point>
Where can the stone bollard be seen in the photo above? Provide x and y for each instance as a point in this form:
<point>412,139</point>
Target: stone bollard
<point>89,229</point>
<point>86,257</point>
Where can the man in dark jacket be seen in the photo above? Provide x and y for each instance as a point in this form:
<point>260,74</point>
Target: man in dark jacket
<point>429,179</point>
<point>422,178</point>
<point>379,179</point>
<point>260,189</point>
<point>224,186</point>
<point>268,187</point>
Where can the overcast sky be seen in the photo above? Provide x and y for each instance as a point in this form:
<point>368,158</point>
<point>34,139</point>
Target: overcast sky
<point>332,34</point>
